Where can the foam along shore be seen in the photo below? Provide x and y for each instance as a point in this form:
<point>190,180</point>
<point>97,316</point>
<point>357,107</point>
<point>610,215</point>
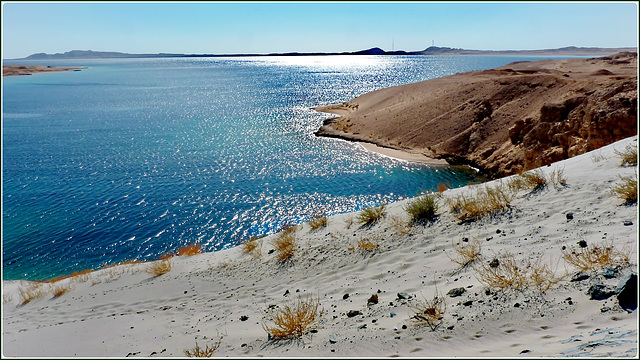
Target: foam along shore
<point>227,298</point>
<point>14,70</point>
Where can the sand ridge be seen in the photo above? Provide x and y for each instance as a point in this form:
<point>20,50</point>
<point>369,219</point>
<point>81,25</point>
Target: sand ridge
<point>14,70</point>
<point>125,312</point>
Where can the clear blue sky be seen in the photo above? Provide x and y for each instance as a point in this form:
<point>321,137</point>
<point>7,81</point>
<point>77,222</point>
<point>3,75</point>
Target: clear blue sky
<point>264,27</point>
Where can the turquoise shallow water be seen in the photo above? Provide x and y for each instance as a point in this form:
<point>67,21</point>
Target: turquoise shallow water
<point>131,158</point>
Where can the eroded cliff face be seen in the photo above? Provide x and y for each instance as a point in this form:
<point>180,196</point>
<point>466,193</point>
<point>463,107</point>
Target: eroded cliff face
<point>505,120</point>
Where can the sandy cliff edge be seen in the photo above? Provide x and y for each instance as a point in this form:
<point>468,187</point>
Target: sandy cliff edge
<point>505,120</point>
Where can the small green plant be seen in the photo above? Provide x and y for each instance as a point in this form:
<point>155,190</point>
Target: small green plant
<point>207,352</point>
<point>422,208</point>
<point>429,312</point>
<point>628,156</point>
<point>627,189</point>
<point>371,215</point>
<point>294,319</point>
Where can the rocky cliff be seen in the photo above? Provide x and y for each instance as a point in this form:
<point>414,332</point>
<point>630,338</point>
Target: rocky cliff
<point>505,120</point>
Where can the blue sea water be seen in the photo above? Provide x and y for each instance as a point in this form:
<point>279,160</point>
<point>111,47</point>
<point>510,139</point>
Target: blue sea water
<point>132,158</point>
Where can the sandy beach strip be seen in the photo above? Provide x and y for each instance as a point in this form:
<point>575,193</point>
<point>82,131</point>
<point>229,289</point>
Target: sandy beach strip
<point>368,282</point>
<point>15,70</point>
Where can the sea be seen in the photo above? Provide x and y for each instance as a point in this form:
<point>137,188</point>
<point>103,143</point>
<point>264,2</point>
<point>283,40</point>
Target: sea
<point>129,159</point>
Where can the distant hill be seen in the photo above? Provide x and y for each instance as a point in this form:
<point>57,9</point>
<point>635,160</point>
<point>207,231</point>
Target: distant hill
<point>432,50</point>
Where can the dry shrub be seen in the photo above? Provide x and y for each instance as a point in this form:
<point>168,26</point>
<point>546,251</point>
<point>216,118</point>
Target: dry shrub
<point>294,319</point>
<point>207,352</point>
<point>466,252</point>
<point>595,257</point>
<point>543,276</point>
<point>7,298</point>
<point>61,289</point>
<point>530,180</point>
<point>285,243</point>
<point>159,267</point>
<point>557,177</point>
<point>484,200</point>
<point>365,244</point>
<point>628,156</point>
<point>400,226</point>
<point>318,222</point>
<point>348,222</point>
<point>429,312</point>
<point>371,215</point>
<point>597,156</point>
<point>32,291</point>
<point>422,208</point>
<point>507,273</point>
<point>252,246</point>
<point>190,250</point>
<point>627,190</point>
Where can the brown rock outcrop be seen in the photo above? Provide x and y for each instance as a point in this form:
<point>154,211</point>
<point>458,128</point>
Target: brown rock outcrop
<point>505,120</point>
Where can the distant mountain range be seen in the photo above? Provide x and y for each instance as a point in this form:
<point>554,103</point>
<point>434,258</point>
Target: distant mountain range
<point>432,50</point>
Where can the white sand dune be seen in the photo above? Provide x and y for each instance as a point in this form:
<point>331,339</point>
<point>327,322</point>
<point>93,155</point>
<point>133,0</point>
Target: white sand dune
<point>125,311</point>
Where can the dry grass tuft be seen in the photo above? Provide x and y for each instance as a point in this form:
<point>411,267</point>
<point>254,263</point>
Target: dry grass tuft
<point>429,312</point>
<point>627,190</point>
<point>485,200</point>
<point>594,257</point>
<point>543,276</point>
<point>31,292</point>
<point>285,243</point>
<point>252,246</point>
<point>422,208</point>
<point>317,222</point>
<point>207,352</point>
<point>367,245</point>
<point>506,273</point>
<point>294,319</point>
<point>190,250</point>
<point>159,267</point>
<point>61,289</point>
<point>348,222</point>
<point>530,180</point>
<point>596,156</point>
<point>443,187</point>
<point>400,227</point>
<point>466,252</point>
<point>557,177</point>
<point>371,215</point>
<point>628,156</point>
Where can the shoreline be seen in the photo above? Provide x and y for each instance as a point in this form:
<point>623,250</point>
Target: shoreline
<point>229,296</point>
<point>345,109</point>
<point>20,70</point>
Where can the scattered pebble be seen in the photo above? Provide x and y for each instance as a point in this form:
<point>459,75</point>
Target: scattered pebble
<point>628,223</point>
<point>569,216</point>
<point>345,296</point>
<point>332,340</point>
<point>393,314</point>
<point>456,292</point>
<point>352,313</point>
<point>403,296</point>
<point>372,300</point>
<point>244,318</point>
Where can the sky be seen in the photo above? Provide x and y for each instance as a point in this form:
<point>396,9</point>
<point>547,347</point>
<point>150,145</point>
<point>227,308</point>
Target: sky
<point>268,27</point>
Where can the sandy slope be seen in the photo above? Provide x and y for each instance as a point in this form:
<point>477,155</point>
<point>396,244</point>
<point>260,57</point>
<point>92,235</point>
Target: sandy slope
<point>129,313</point>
